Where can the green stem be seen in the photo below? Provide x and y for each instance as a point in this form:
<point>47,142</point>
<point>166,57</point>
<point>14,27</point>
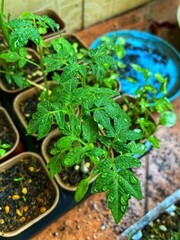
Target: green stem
<point>43,71</point>
<point>2,23</point>
<point>35,84</point>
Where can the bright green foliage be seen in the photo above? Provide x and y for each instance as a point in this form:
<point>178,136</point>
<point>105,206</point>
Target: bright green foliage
<point>81,104</point>
<point>3,148</point>
<point>145,103</point>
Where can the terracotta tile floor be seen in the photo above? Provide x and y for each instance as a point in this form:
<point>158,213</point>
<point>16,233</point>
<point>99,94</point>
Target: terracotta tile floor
<point>160,174</point>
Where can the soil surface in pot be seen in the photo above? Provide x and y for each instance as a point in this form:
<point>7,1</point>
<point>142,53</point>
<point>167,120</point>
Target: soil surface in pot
<point>7,134</point>
<point>26,192</point>
<point>71,176</point>
<point>29,106</point>
<point>166,227</point>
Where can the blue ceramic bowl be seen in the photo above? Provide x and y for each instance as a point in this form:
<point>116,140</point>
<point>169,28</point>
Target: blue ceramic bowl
<point>151,52</point>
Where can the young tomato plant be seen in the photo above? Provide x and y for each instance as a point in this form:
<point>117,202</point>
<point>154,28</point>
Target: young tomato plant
<point>145,103</point>
<point>17,34</point>
<point>92,125</point>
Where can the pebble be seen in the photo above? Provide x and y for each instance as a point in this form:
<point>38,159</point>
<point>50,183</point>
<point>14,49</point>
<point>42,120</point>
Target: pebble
<point>163,228</point>
<point>55,234</point>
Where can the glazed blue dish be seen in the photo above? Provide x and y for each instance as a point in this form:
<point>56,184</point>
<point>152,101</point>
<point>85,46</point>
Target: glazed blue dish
<point>151,52</point>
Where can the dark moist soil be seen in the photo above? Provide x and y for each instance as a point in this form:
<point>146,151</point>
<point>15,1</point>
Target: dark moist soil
<point>7,134</point>
<point>31,72</point>
<point>25,193</point>
<point>71,175</point>
<point>29,106</point>
<point>166,227</point>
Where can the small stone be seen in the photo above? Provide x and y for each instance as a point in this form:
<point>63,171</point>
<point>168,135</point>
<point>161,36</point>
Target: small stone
<point>172,214</point>
<point>42,209</point>
<point>78,227</point>
<point>103,226</point>
<point>151,224</point>
<point>55,234</point>
<point>6,209</point>
<point>163,228</point>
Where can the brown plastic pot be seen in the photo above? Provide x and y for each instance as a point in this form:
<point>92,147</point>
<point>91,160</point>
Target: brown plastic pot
<point>44,150</point>
<point>7,88</point>
<point>134,231</point>
<point>9,127</point>
<point>53,15</point>
<point>45,195</point>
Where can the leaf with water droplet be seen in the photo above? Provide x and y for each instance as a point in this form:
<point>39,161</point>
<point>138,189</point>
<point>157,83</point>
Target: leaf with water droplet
<point>113,196</point>
<point>101,184</point>
<point>134,189</point>
<point>126,161</point>
<point>74,156</point>
<point>133,180</point>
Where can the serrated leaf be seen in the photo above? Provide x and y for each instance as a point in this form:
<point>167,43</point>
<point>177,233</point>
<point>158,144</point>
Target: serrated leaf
<point>130,135</point>
<point>89,130</point>
<point>168,119</point>
<point>75,125</point>
<point>20,80</point>
<point>105,140</point>
<point>82,189</point>
<point>54,165</point>
<point>10,56</point>
<point>103,166</point>
<point>21,32</point>
<point>154,141</point>
<point>130,184</point>
<point>103,181</point>
<point>120,147</point>
<point>64,143</point>
<point>117,201</point>
<point>45,125</point>
<point>103,119</point>
<point>137,148</point>
<point>74,156</point>
<point>125,162</point>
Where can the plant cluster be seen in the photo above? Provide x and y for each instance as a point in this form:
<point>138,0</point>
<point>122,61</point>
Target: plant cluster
<point>82,105</point>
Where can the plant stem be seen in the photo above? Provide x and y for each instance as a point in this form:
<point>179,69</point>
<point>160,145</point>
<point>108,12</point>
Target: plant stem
<point>42,69</point>
<point>35,84</point>
<point>2,23</point>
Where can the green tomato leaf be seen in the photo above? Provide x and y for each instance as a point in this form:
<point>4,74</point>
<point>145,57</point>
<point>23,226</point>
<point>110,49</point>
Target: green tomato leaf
<point>130,183</point>
<point>137,148</point>
<point>125,162</point>
<point>82,189</point>
<point>54,165</point>
<point>10,56</point>
<point>90,129</point>
<point>102,118</point>
<point>45,125</point>
<point>74,156</point>
<point>168,119</point>
<point>117,201</point>
<point>154,141</point>
<point>103,181</point>
<point>64,143</point>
